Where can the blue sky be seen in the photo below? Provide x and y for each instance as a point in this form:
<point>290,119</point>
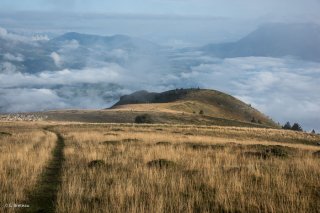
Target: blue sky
<point>229,8</point>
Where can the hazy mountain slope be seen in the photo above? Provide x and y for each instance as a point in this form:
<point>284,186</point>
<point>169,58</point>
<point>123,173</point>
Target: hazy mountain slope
<point>78,51</point>
<point>273,40</point>
<point>26,56</point>
<point>106,42</point>
<point>212,103</point>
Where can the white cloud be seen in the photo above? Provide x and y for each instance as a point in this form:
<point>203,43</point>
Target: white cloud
<point>70,45</point>
<point>111,73</point>
<point>285,89</point>
<point>177,43</point>
<point>11,36</point>
<point>119,53</point>
<point>56,59</point>
<point>7,68</point>
<point>86,88</point>
<point>19,99</point>
<point>3,32</point>
<point>11,57</point>
<point>88,75</point>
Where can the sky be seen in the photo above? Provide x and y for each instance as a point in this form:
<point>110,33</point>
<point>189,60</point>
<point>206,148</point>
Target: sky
<point>229,8</point>
<point>173,22</point>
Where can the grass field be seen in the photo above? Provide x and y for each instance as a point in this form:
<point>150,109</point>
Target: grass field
<point>24,152</point>
<point>158,168</point>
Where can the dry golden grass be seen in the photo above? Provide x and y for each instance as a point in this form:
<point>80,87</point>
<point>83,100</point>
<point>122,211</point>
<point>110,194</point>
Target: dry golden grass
<point>24,151</point>
<point>112,168</point>
<point>179,107</point>
<point>163,168</point>
<point>190,102</point>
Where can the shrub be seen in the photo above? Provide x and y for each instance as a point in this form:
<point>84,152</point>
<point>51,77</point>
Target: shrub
<point>297,127</point>
<point>96,163</point>
<point>161,164</point>
<point>316,154</point>
<point>278,151</point>
<point>130,140</point>
<point>287,126</point>
<point>294,127</point>
<point>145,118</point>
<point>5,134</point>
<point>201,112</point>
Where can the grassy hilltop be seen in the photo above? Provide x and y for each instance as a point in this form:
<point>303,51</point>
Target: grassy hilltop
<point>181,106</point>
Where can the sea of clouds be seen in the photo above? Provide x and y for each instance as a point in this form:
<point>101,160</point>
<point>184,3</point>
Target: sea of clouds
<point>287,89</point>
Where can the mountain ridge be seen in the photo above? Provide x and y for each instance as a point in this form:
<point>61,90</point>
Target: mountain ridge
<point>173,107</point>
<point>300,40</point>
<point>211,102</point>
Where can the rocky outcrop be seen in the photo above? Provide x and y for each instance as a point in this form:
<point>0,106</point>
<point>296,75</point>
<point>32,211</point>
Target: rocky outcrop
<point>22,117</point>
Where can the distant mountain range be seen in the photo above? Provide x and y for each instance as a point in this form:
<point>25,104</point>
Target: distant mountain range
<point>105,42</point>
<point>76,51</point>
<point>273,40</point>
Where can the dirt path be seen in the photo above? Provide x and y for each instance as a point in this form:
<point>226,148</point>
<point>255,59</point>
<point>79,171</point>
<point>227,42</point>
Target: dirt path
<point>44,197</point>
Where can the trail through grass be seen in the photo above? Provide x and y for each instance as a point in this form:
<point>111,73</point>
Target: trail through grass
<point>43,198</point>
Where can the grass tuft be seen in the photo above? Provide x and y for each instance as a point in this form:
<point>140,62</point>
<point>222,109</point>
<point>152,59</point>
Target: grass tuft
<point>161,164</point>
<point>96,164</point>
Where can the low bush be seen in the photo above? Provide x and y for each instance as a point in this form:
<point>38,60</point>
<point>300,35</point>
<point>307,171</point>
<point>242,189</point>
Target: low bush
<point>145,118</point>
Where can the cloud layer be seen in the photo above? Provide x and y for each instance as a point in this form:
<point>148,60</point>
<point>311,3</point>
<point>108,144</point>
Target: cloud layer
<point>287,89</point>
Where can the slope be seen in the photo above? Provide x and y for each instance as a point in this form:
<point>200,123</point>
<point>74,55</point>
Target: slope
<point>212,103</point>
<point>273,40</point>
